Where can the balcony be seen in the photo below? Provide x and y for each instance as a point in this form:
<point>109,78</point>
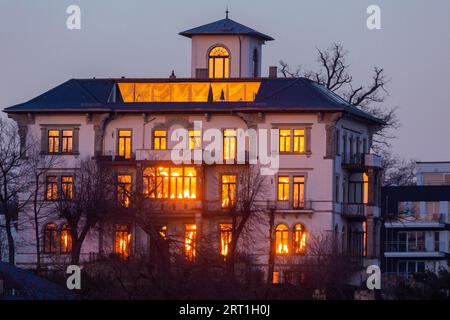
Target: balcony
<point>361,162</point>
<point>421,249</point>
<point>115,158</point>
<point>354,211</point>
<point>197,156</point>
<point>289,207</point>
<point>278,206</point>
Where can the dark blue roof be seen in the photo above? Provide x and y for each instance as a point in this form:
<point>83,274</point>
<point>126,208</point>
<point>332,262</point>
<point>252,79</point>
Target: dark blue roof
<point>225,27</point>
<point>275,94</point>
<point>33,287</point>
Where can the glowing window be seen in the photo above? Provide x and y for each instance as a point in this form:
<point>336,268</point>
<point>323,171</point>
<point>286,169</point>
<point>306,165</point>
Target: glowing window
<point>50,238</point>
<point>163,232</point>
<point>176,183</point>
<point>364,227</point>
<point>149,182</point>
<point>122,240</point>
<point>198,91</point>
<point>282,239</point>
<point>276,277</point>
<point>299,140</point>
<point>53,141</point>
<point>190,183</point>
<point>162,183</point>
<point>219,63</point>
<point>124,143</point>
<point>195,139</point>
<point>67,187</point>
<point>285,140</point>
<point>225,238</point>
<point>160,140</point>
<point>124,190</point>
<point>66,239</point>
<point>67,141</point>
<point>283,188</point>
<point>299,192</point>
<point>299,239</point>
<point>190,238</point>
<point>228,190</point>
<point>170,183</point>
<point>52,188</point>
<point>229,144</point>
<point>365,188</point>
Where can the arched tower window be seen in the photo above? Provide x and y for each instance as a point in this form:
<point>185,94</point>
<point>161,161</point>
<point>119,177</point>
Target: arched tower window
<point>219,63</point>
<point>255,63</point>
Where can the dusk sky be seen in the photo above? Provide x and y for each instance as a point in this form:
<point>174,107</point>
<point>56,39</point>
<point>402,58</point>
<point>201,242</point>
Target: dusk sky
<point>140,39</point>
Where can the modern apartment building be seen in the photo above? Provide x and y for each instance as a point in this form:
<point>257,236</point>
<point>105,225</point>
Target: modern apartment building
<point>417,224</point>
<point>326,180</point>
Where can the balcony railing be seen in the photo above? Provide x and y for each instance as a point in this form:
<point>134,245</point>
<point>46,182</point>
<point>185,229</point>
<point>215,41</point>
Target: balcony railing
<point>353,210</point>
<point>421,246</point>
<point>198,155</point>
<point>361,162</point>
<point>289,205</point>
<point>307,205</point>
<point>415,217</point>
<point>372,160</point>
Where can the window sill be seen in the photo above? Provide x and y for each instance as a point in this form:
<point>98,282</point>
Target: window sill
<point>60,153</point>
<point>295,153</point>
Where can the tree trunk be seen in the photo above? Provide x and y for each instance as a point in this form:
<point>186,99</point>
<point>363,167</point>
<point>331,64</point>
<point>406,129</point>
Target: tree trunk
<point>271,264</point>
<point>36,226</point>
<point>76,250</point>
<point>11,249</point>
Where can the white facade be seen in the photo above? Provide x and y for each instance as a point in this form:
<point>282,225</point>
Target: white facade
<point>241,48</point>
<point>340,193</point>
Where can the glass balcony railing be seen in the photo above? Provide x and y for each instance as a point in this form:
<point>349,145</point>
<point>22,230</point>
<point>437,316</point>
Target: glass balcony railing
<point>421,246</point>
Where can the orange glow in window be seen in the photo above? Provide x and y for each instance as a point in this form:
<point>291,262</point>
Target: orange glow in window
<point>198,91</point>
<point>190,238</point>
<point>122,241</point>
<point>225,238</point>
<point>299,239</point>
<point>282,239</point>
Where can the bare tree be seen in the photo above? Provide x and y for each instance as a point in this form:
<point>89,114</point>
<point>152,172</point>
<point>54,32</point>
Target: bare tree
<point>91,202</point>
<point>272,253</point>
<point>248,206</point>
<point>334,74</point>
<point>397,171</point>
<point>286,70</point>
<point>38,166</point>
<point>324,269</point>
<point>13,179</point>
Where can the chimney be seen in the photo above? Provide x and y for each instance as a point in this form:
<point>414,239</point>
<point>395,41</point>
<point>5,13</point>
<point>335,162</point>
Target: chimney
<point>273,72</point>
<point>172,75</point>
<point>201,73</point>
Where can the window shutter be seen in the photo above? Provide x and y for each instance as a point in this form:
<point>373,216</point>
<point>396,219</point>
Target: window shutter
<point>76,140</point>
<point>44,140</point>
<point>308,139</point>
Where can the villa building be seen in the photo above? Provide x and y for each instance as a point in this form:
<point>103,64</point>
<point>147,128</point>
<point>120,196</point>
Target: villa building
<point>326,180</point>
<point>417,224</point>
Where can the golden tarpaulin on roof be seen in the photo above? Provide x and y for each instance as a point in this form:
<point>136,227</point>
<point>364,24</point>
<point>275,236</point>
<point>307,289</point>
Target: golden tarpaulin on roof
<point>188,91</point>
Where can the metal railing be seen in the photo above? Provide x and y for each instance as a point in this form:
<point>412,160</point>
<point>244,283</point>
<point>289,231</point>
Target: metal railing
<point>412,216</point>
<point>422,246</point>
<point>353,209</point>
<point>362,159</point>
